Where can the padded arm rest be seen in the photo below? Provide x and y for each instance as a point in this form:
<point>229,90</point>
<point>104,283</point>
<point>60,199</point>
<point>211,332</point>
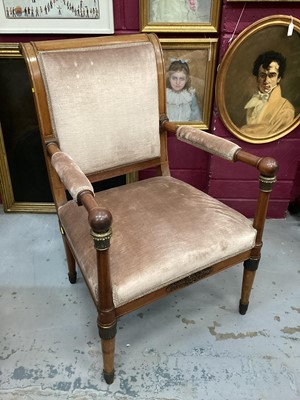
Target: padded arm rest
<point>208,142</point>
<point>70,174</point>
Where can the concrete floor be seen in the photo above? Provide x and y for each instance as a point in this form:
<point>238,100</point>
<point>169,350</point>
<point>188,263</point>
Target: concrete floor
<point>191,345</point>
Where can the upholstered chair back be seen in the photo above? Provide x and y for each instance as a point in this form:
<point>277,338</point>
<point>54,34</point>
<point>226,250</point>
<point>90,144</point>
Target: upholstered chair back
<point>106,97</point>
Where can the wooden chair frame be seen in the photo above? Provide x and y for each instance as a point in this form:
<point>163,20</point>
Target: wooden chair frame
<point>100,219</point>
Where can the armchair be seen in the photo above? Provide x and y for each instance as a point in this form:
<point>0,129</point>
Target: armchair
<point>101,109</point>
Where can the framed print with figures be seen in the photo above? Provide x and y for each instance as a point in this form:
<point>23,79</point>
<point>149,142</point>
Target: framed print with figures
<point>56,16</point>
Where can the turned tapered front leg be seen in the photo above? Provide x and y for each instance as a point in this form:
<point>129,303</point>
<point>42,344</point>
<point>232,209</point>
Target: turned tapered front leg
<point>268,168</point>
<point>107,323</point>
<point>100,221</point>
<point>250,267</point>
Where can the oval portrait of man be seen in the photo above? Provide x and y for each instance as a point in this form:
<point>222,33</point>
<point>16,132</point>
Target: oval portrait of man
<point>257,88</point>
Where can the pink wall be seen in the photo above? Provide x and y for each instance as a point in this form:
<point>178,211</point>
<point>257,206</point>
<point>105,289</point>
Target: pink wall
<point>237,188</point>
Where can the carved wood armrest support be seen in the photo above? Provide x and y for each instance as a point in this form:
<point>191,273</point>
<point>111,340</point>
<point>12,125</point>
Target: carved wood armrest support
<point>167,125</point>
<point>267,166</point>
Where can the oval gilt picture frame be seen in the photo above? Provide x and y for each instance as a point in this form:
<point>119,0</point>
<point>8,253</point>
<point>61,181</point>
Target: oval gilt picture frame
<point>257,85</point>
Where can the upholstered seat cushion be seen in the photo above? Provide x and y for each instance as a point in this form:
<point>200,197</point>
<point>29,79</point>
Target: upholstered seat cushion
<point>164,231</point>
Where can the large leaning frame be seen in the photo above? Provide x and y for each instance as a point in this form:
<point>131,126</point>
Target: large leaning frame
<point>10,52</point>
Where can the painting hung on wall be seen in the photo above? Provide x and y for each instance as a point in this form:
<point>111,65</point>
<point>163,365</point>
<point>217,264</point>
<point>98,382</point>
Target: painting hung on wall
<point>179,15</point>
<point>190,66</point>
<point>257,86</point>
<point>56,16</point>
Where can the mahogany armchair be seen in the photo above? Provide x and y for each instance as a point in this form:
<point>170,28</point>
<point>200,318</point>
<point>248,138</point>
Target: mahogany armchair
<point>102,113</point>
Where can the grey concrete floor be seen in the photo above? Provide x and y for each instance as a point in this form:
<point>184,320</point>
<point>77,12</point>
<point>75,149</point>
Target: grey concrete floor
<point>191,345</point>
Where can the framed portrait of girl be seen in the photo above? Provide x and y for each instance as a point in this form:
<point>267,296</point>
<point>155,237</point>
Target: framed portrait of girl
<point>179,15</point>
<point>190,69</point>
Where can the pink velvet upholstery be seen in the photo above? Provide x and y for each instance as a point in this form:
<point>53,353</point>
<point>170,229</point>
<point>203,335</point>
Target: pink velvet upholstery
<point>92,98</point>
<point>208,142</point>
<point>70,174</point>
<point>164,230</point>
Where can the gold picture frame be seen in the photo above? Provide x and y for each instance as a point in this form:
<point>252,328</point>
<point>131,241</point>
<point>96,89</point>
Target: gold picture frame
<point>168,16</point>
<point>238,77</point>
<point>200,56</point>
<point>19,127</point>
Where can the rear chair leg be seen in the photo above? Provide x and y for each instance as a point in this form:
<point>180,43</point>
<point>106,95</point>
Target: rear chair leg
<point>72,274</point>
<point>250,267</point>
